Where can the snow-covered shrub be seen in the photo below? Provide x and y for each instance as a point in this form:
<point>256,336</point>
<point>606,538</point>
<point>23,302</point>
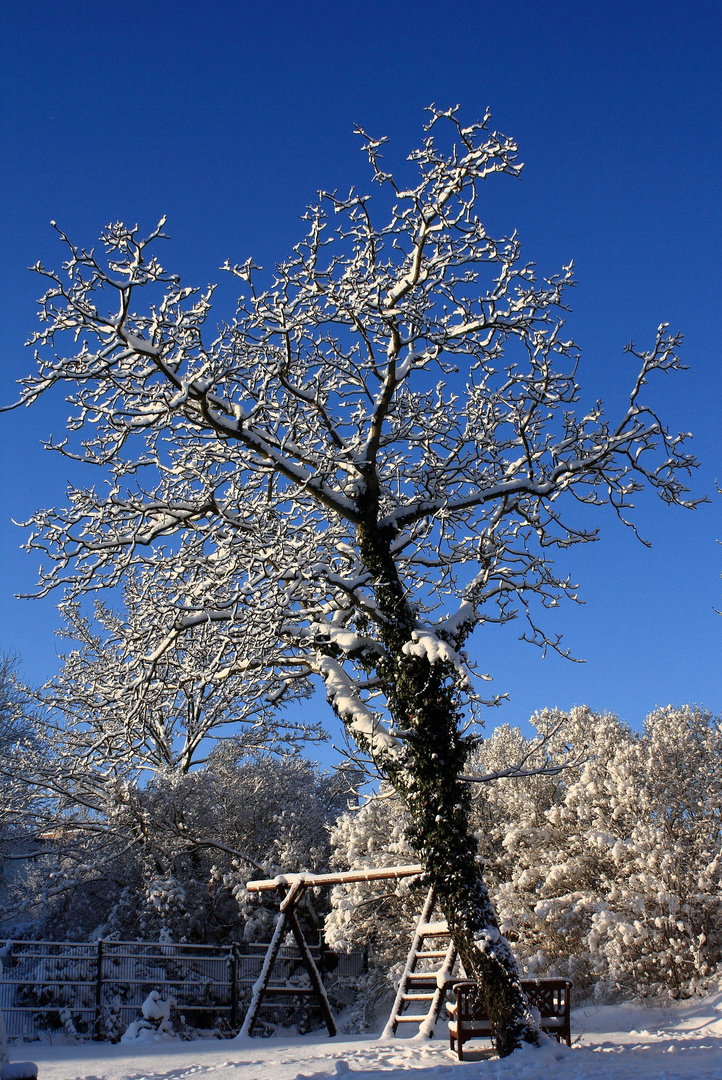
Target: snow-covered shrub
<point>69,1029</point>
<point>112,1020</point>
<point>156,1023</point>
<point>59,984</point>
<point>171,856</point>
<point>609,873</point>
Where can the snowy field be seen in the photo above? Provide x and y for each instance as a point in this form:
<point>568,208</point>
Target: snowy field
<point>610,1043</point>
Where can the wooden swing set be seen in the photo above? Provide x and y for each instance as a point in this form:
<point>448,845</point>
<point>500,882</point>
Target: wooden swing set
<point>424,988</point>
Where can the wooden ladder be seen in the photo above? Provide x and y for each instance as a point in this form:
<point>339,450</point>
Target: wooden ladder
<point>428,985</point>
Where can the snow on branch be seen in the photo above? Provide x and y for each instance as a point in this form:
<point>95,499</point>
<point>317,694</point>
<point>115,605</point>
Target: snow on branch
<point>426,644</point>
<point>348,704</point>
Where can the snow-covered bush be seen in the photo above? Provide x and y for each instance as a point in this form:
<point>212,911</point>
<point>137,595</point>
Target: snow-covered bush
<point>172,856</point>
<point>156,1023</point>
<point>69,1029</point>
<point>609,873</point>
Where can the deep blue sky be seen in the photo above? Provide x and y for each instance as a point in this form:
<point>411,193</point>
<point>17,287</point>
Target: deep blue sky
<point>229,116</point>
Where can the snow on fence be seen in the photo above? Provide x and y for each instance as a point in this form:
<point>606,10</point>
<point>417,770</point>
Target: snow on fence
<point>95,990</point>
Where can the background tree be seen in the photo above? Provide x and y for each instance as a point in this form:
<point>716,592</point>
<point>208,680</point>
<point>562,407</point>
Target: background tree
<point>375,916</point>
<point>13,695</point>
<point>171,856</point>
<point>608,874</point>
<point>133,695</point>
<point>18,807</point>
<point>376,451</point>
<point>97,769</point>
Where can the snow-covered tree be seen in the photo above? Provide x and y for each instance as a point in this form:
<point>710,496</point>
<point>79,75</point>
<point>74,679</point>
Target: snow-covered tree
<point>17,806</point>
<point>13,700</point>
<point>376,917</point>
<point>375,453</point>
<point>97,767</point>
<point>613,877</point>
<point>171,855</point>
<point>609,874</point>
<point>659,929</point>
<point>126,701</point>
<point>547,873</point>
<point>380,915</point>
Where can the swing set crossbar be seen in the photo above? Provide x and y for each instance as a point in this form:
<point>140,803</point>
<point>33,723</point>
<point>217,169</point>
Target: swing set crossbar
<point>345,877</point>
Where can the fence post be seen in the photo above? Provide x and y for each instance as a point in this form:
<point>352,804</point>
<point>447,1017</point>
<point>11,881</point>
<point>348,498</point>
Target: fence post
<point>99,992</point>
<point>234,983</point>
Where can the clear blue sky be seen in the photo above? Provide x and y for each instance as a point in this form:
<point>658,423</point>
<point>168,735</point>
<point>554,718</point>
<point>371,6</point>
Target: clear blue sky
<point>229,116</point>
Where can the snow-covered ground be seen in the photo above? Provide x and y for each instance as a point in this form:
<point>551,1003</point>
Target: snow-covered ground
<point>622,1042</point>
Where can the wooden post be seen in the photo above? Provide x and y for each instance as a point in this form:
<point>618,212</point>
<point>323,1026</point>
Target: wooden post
<point>313,972</point>
<point>261,984</point>
<point>99,992</point>
<point>233,988</point>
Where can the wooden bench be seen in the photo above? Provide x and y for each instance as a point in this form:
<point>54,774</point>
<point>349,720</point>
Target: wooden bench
<point>550,997</point>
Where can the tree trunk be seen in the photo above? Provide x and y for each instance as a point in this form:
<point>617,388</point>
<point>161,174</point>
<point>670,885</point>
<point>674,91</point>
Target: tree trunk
<point>423,699</point>
<point>439,806</point>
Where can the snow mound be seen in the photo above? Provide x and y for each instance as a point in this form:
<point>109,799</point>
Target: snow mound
<point>20,1070</point>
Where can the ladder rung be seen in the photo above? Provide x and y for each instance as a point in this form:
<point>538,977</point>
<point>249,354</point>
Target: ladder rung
<point>433,929</point>
<point>436,955</point>
<point>411,1019</point>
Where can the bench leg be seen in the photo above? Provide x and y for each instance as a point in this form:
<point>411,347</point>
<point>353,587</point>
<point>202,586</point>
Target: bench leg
<point>455,1048</point>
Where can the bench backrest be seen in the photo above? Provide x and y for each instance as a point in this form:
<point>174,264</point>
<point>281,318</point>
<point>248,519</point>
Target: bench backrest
<point>552,997</point>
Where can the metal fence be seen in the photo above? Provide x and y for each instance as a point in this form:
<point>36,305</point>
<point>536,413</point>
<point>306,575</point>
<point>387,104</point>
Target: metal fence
<point>97,990</point>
